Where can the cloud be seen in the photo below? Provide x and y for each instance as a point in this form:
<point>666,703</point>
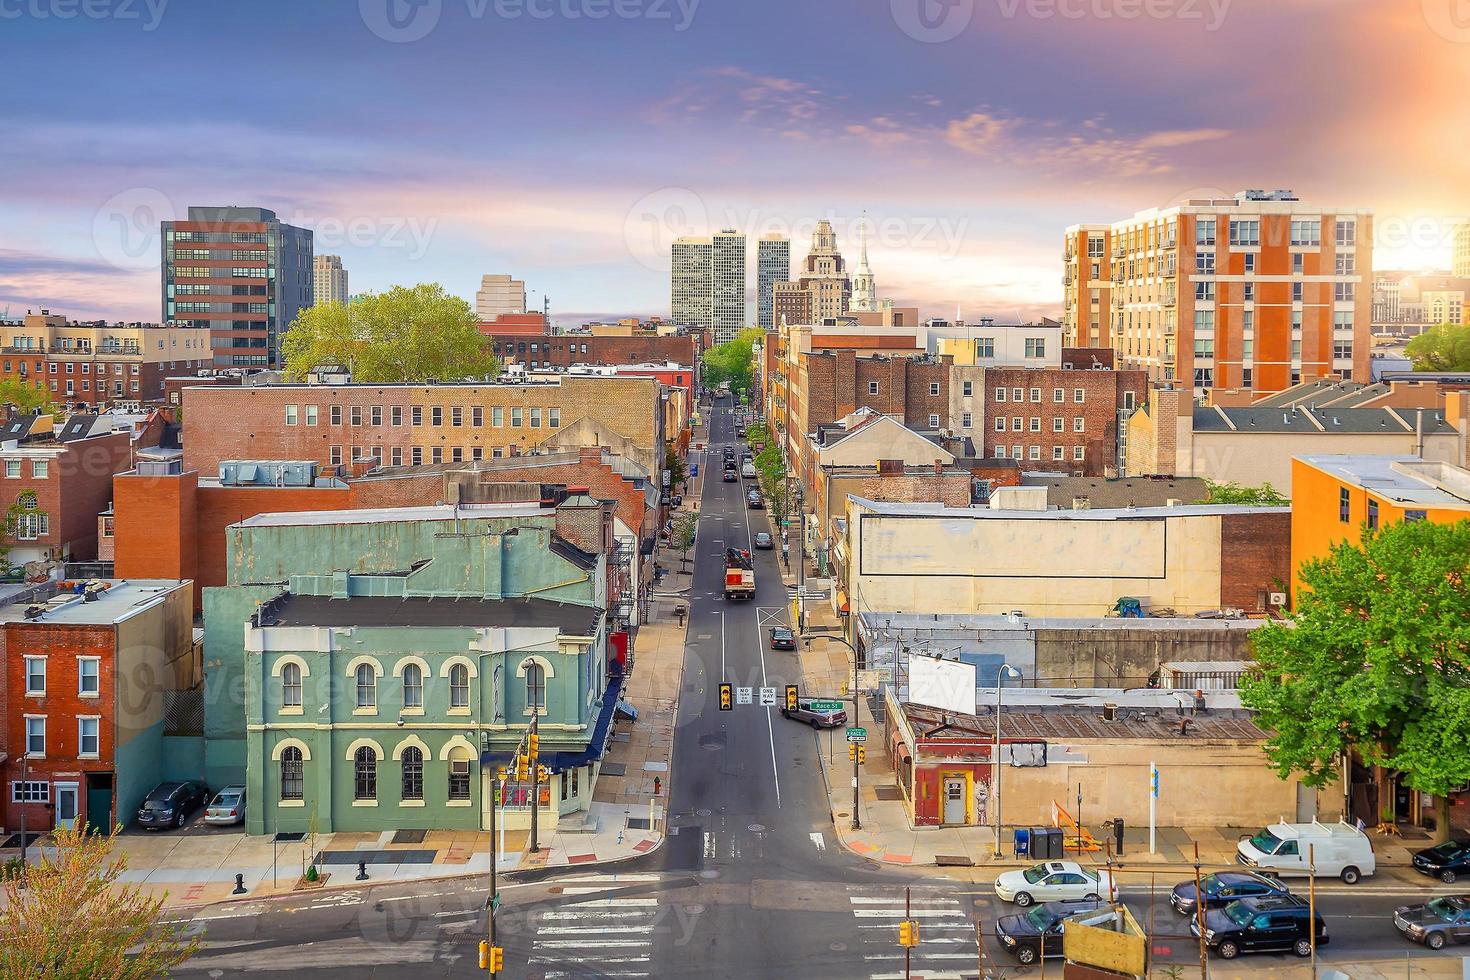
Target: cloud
<point>17,263</point>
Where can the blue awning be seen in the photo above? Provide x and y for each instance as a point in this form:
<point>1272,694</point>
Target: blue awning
<point>596,744</point>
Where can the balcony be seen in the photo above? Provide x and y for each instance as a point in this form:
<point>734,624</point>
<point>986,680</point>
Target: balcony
<point>1170,269</point>
<point>1119,250</point>
<point>1170,299</point>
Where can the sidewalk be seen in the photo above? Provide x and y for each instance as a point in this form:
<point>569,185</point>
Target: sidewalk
<point>1408,967</point>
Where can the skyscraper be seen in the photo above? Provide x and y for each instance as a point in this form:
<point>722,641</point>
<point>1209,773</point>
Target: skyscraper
<point>772,265</point>
<point>1461,265</point>
<point>707,284</point>
<point>331,280</point>
<point>499,294</point>
<point>240,272</point>
<point>823,280</point>
<point>864,287</point>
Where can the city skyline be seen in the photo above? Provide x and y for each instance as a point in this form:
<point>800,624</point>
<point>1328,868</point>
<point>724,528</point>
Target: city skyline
<point>1130,116</point>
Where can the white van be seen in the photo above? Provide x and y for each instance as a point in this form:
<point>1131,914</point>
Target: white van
<point>748,471</point>
<point>1294,848</point>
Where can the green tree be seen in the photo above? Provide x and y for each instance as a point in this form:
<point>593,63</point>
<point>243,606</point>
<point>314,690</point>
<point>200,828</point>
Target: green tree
<point>409,333</point>
<point>733,361</point>
<point>1264,495</point>
<point>68,917</point>
<point>674,463</point>
<point>682,536</point>
<point>1442,348</point>
<point>25,399</point>
<point>1377,661</point>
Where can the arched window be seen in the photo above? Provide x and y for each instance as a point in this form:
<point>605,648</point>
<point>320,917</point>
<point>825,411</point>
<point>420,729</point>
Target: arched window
<point>413,686</point>
<point>459,686</point>
<point>365,773</point>
<point>291,686</point>
<point>367,686</point>
<point>293,776</point>
<point>413,773</point>
<point>535,686</point>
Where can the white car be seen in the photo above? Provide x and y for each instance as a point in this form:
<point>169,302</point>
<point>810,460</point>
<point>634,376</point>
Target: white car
<point>1054,881</point>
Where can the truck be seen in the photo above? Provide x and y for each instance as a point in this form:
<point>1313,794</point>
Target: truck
<point>739,574</point>
<point>1283,849</point>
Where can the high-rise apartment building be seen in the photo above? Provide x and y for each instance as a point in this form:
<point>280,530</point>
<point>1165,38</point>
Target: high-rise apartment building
<point>1461,264</point>
<point>499,294</point>
<point>1259,291</point>
<point>707,284</point>
<point>331,280</point>
<point>240,272</point>
<point>772,265</point>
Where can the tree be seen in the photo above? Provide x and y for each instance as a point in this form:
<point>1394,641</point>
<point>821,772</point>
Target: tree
<point>25,399</point>
<point>682,536</point>
<point>409,333</point>
<point>1377,661</point>
<point>68,917</point>
<point>733,361</point>
<point>1442,348</point>
<point>674,463</point>
<point>1264,495</point>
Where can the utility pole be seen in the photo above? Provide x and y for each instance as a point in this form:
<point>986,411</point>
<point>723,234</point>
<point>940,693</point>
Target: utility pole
<point>1199,913</point>
<point>25,760</point>
<point>493,902</point>
<point>532,750</point>
<point>1312,902</point>
<point>908,914</point>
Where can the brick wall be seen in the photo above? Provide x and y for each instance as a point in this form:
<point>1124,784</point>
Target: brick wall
<point>1090,451</point>
<point>76,488</point>
<point>566,350</point>
<point>1255,559</point>
<point>839,382</point>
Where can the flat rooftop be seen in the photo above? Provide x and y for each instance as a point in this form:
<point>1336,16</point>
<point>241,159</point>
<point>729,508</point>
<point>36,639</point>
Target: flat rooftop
<point>121,599</point>
<point>1063,722</point>
<point>1402,479</point>
<point>1095,514</point>
<point>395,515</point>
<point>290,609</point>
<point>877,624</point>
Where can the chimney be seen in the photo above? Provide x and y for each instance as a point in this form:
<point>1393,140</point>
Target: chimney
<point>589,454</point>
<point>582,521</point>
<point>938,467</point>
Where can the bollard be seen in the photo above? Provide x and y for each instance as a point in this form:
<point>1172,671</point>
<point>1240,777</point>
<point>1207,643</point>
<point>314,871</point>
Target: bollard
<point>239,885</point>
<point>362,874</point>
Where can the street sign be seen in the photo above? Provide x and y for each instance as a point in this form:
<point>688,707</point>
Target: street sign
<point>826,705</point>
<point>857,734</point>
<point>742,695</point>
<point>768,697</point>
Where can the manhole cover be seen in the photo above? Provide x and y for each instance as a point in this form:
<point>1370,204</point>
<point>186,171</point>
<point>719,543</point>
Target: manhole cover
<point>709,874</point>
<point>837,947</point>
<point>756,828</point>
<point>712,741</point>
<point>694,909</point>
<point>843,814</point>
<point>702,813</point>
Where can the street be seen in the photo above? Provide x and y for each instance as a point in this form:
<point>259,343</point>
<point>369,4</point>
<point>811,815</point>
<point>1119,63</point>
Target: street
<point>750,882</point>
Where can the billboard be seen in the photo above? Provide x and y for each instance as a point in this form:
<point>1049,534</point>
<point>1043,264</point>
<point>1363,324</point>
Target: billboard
<point>948,685</point>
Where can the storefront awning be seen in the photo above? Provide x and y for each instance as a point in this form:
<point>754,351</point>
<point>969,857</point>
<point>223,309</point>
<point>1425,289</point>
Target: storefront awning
<point>596,743</point>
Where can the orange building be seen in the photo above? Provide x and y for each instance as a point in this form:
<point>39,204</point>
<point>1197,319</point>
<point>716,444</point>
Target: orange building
<point>1334,498</point>
<point>1259,292</point>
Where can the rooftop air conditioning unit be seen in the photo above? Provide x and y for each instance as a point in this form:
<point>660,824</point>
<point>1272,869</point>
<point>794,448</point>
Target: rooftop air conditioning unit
<point>1278,598</point>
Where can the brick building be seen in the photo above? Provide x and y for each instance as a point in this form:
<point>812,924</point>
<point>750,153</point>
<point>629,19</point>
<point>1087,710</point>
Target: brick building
<point>565,350</point>
<point>54,482</point>
<point>83,699</point>
<point>413,424</point>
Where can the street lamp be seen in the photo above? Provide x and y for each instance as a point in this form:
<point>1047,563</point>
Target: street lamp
<point>1000,676</point>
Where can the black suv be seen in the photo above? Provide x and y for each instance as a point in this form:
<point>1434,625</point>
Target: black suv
<point>1037,932</point>
<point>1260,925</point>
<point>1224,887</point>
<point>1446,861</point>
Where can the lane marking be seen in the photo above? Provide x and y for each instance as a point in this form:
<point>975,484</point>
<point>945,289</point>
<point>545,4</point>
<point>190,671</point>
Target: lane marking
<point>818,841</point>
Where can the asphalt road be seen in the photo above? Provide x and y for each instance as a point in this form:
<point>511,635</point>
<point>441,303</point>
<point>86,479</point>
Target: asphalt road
<point>751,881</point>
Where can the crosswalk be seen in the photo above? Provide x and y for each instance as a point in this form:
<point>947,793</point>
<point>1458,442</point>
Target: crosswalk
<point>946,949</point>
<point>613,935</point>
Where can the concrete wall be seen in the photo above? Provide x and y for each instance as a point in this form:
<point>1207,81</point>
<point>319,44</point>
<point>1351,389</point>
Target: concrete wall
<point>1254,458</point>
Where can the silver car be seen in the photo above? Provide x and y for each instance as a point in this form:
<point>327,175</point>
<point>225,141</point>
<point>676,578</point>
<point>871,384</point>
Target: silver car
<point>227,807</point>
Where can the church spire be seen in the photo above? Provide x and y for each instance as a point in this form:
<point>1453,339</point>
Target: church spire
<point>864,288</point>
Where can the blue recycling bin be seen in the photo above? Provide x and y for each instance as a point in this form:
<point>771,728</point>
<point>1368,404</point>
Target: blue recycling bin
<point>1022,842</point>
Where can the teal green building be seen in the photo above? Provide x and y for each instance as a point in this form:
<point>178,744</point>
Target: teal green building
<point>388,662</point>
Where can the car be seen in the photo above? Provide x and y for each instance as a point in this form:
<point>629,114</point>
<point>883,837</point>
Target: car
<point>1028,936</point>
<point>1445,861</point>
<point>754,502</point>
<point>782,638</point>
<point>227,808</point>
<point>1261,925</point>
<point>808,715</point>
<point>1053,881</point>
<point>1223,887</point>
<point>763,541</point>
<point>1285,849</point>
<point>1436,922</point>
<point>740,431</point>
<point>730,477</point>
<point>170,804</point>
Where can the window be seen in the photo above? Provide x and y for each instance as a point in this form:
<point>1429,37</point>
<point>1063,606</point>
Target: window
<point>416,455</point>
<point>1035,395</point>
<point>1245,231</point>
<point>1035,346</point>
<point>1411,516</point>
<point>1035,452</point>
<point>1344,504</point>
<point>459,779</point>
<point>1205,290</point>
<point>12,469</point>
<point>477,416</point>
<point>1205,262</point>
<point>535,686</point>
<point>355,415</point>
<point>336,455</point>
<point>413,774</point>
<point>515,417</point>
<point>1298,263</point>
<point>88,676</point>
<point>1058,424</point>
<point>1035,423</point>
<point>436,455</point>
<point>872,387</point>
<point>1078,453</point>
<point>1306,231</point>
<point>456,455</point>
<point>1000,423</point>
<point>1018,394</point>
<point>1342,350</point>
<point>1343,292</point>
<point>1204,377</point>
<point>535,419</point>
<point>553,418</point>
<point>367,686</point>
<point>416,415</point>
<point>291,686</point>
<point>376,416</point>
<point>459,686</point>
<point>365,774</point>
<point>1296,292</point>
<point>311,412</point>
<point>1017,424</point>
<point>29,527</point>
<point>1079,395</point>
<point>413,686</point>
<point>35,736</point>
<point>1018,452</point>
<point>1246,377</point>
<point>436,415</point>
<point>497,417</point>
<point>395,415</point>
<point>1347,233</point>
<point>1127,401</point>
<point>1296,350</point>
<point>933,421</point>
<point>1058,453</point>
<point>966,420</point>
<point>984,348</point>
<point>1204,347</point>
<point>933,388</point>
<point>30,792</point>
<point>293,776</point>
<point>968,388</point>
<point>1250,292</point>
<point>1204,231</point>
<point>1079,424</point>
<point>36,675</point>
<point>336,415</point>
<point>1000,452</point>
<point>1345,264</point>
<point>395,456</point>
<point>1372,515</point>
<point>1000,396</point>
<point>291,414</point>
<point>88,739</point>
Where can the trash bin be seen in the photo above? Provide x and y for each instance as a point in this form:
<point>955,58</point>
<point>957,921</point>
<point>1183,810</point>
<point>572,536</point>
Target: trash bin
<point>1055,846</point>
<point>1041,843</point>
<point>1118,829</point>
<point>1023,842</point>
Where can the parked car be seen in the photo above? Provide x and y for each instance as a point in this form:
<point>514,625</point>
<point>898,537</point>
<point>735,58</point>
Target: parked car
<point>782,638</point>
<point>754,502</point>
<point>808,715</point>
<point>1028,936</point>
<point>748,471</point>
<point>1224,887</point>
<point>170,804</point>
<point>763,541</point>
<point>1282,849</point>
<point>227,808</point>
<point>740,431</point>
<point>1436,922</point>
<point>730,477</point>
<point>1445,861</point>
<point>1261,925</point>
<point>1053,881</point>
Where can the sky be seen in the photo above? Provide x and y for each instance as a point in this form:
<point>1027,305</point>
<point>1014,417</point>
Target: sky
<point>568,142</point>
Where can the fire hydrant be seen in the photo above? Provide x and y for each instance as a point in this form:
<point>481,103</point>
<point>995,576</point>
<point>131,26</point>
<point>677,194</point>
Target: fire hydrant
<point>658,784</point>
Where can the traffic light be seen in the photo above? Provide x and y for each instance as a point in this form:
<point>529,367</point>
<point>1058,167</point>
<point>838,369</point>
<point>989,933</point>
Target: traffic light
<point>533,745</point>
<point>727,697</point>
<point>791,704</point>
<point>492,958</point>
<point>862,753</point>
<point>852,751</point>
<point>543,774</point>
<point>908,933</point>
<point>523,769</point>
<point>857,753</point>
